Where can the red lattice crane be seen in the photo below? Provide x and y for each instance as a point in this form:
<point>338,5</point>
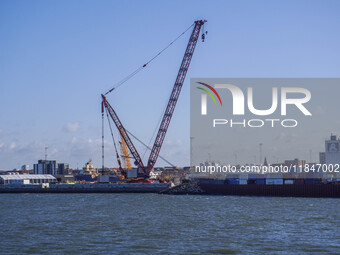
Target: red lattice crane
<point>169,109</point>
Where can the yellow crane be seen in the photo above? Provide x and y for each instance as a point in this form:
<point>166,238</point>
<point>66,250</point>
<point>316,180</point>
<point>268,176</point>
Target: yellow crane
<point>125,152</point>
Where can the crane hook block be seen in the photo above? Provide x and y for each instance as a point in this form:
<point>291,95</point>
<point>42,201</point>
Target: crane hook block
<point>203,37</point>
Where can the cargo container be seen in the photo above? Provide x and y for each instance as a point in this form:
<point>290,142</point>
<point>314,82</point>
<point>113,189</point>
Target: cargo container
<point>252,181</point>
<point>270,181</point>
<point>243,176</point>
<point>299,181</point>
<point>261,181</point>
<point>273,176</point>
<point>232,181</point>
<point>278,181</point>
<point>289,181</point>
<point>243,181</point>
<point>313,181</point>
<point>132,173</point>
<point>212,181</point>
<point>103,179</point>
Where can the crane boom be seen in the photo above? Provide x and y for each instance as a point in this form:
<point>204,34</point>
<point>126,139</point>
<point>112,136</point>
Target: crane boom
<point>124,134</point>
<point>174,95</point>
<point>168,112</point>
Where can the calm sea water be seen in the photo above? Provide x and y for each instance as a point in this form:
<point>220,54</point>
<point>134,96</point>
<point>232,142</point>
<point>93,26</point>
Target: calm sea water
<point>165,224</point>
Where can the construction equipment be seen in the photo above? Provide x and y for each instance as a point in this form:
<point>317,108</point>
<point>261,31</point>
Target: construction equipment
<point>125,152</point>
<point>145,170</point>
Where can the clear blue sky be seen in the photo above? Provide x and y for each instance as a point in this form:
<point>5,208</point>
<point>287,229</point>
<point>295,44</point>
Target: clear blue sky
<point>57,57</point>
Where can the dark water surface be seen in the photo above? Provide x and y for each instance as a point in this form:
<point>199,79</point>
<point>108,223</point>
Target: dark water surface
<point>165,224</point>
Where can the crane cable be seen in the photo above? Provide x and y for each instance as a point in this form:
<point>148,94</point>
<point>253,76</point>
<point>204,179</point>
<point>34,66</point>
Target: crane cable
<point>117,85</point>
<point>149,148</point>
<point>155,131</point>
<point>114,142</point>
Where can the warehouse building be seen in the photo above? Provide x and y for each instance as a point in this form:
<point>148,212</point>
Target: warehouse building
<point>27,179</point>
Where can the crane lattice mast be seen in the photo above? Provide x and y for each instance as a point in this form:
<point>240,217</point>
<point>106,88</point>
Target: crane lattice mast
<point>174,95</point>
<point>169,109</point>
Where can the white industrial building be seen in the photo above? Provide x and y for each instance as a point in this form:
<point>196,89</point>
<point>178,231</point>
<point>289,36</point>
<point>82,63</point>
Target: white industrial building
<point>27,179</point>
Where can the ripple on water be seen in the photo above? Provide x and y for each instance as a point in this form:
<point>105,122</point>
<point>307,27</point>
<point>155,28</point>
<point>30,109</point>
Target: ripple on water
<point>223,251</point>
<point>163,224</point>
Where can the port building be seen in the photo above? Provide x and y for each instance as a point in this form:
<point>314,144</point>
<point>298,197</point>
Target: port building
<point>51,167</point>
<point>45,167</point>
<point>27,179</point>
<point>331,155</point>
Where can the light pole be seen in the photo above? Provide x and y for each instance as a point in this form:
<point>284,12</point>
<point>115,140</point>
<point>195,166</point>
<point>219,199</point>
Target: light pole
<point>191,160</point>
<point>46,153</point>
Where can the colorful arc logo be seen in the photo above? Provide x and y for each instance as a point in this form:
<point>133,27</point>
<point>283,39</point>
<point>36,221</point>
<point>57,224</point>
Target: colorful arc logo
<point>209,93</point>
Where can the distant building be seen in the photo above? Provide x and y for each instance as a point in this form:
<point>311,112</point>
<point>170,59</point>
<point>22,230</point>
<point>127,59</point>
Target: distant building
<point>63,168</point>
<point>25,167</point>
<point>295,162</point>
<point>265,163</point>
<point>46,167</point>
<point>322,158</point>
<point>332,151</point>
<point>158,169</point>
<point>65,178</point>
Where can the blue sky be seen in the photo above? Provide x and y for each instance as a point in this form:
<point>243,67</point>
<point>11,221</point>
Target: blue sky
<point>57,57</point>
